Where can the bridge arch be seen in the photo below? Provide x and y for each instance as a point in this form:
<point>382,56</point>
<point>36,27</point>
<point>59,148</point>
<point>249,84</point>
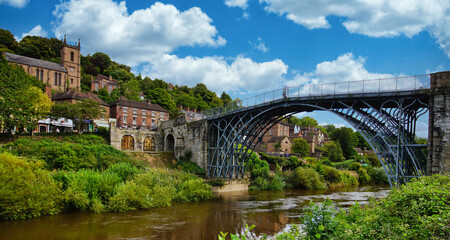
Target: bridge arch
<point>386,120</point>
<point>169,143</point>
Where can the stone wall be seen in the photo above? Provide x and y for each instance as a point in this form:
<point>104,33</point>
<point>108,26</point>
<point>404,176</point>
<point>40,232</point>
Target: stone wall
<point>139,136</point>
<point>187,136</point>
<point>439,124</point>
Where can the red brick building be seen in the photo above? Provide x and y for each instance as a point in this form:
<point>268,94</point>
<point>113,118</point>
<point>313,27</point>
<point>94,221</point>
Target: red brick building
<point>102,81</point>
<point>137,115</point>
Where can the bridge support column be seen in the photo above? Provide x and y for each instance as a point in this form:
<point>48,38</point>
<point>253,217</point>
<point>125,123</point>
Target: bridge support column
<point>439,124</point>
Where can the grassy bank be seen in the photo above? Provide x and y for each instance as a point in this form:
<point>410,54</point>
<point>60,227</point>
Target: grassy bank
<point>309,173</point>
<point>418,210</point>
<point>45,176</point>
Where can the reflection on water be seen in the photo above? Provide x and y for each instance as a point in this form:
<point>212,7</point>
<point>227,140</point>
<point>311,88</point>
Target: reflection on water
<point>271,212</point>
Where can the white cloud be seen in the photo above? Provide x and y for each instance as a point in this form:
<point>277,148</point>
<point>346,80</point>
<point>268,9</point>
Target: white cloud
<point>36,31</point>
<point>346,68</point>
<point>383,18</point>
<point>15,3</point>
<point>237,3</point>
<point>219,75</point>
<point>259,45</point>
<point>106,26</point>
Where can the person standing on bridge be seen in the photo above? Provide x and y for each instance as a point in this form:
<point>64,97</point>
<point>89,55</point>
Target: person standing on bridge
<point>285,92</point>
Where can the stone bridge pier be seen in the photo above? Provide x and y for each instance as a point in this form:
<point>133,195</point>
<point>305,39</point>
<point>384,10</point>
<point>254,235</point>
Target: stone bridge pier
<point>181,136</point>
<point>439,124</point>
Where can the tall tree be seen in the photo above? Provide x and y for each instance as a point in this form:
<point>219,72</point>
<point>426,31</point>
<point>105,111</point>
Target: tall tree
<point>20,101</point>
<point>226,99</point>
<point>301,146</point>
<point>361,141</point>
<point>333,151</point>
<point>162,98</point>
<point>346,139</point>
<point>7,41</point>
<point>132,90</point>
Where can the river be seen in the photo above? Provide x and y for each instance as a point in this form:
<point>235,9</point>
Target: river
<point>270,211</point>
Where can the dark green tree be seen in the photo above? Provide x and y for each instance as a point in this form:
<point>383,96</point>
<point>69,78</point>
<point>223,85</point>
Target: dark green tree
<point>301,146</point>
<point>132,90</point>
<point>162,98</point>
<point>7,41</point>
<point>101,61</point>
<point>226,99</point>
<point>40,48</point>
<point>361,141</point>
<point>346,139</point>
<point>333,151</point>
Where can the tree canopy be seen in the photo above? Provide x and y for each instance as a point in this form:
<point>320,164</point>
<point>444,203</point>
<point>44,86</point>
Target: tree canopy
<point>346,139</point>
<point>301,146</point>
<point>86,109</point>
<point>22,101</point>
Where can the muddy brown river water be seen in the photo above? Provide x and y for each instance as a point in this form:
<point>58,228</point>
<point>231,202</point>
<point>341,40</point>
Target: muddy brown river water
<point>271,212</point>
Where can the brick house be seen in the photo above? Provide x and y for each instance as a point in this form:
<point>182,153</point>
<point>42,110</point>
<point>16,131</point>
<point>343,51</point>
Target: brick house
<point>279,144</point>
<point>137,115</point>
<point>60,76</point>
<point>102,81</point>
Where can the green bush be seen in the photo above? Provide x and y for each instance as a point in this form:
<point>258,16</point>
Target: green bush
<point>319,220</point>
<point>194,190</point>
<point>343,165</point>
<point>354,167</point>
<point>364,177</point>
<point>348,179</point>
<point>377,175</point>
<point>418,210</point>
<point>26,189</point>
<point>124,170</point>
<point>306,178</point>
<point>330,174</point>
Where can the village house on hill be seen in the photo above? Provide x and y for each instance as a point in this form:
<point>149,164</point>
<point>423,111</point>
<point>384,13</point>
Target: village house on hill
<point>105,82</point>
<point>137,115</point>
<point>60,76</point>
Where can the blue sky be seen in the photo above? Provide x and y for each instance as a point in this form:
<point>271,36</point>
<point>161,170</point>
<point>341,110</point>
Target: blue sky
<point>245,47</point>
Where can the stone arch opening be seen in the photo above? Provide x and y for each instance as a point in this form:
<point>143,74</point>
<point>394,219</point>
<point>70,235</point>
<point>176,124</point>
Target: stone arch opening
<point>127,143</point>
<point>149,144</point>
<point>170,143</point>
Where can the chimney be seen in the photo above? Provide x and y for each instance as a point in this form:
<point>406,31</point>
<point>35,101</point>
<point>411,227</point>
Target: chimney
<point>48,91</point>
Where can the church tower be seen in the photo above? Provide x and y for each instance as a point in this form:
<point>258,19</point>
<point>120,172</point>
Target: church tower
<point>71,60</point>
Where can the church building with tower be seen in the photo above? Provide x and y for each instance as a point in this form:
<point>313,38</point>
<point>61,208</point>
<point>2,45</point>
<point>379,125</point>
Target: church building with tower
<point>60,76</point>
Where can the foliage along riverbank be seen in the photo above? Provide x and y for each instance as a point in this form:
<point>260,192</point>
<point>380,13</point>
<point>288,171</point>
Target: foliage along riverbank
<point>46,176</point>
<point>309,173</point>
<point>417,210</point>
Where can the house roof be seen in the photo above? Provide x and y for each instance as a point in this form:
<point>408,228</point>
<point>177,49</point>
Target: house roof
<point>34,62</point>
<point>309,138</point>
<point>71,94</point>
<point>123,101</point>
<point>277,139</point>
<point>103,77</point>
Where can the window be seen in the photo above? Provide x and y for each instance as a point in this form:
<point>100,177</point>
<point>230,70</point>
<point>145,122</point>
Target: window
<point>125,119</point>
<point>271,132</point>
<point>96,86</point>
<point>110,88</point>
<point>56,78</point>
<point>103,84</point>
<point>125,109</point>
<point>134,120</point>
<point>60,79</point>
<point>153,114</point>
<point>134,111</point>
<point>144,120</point>
<point>72,56</point>
<point>37,73</point>
<point>71,81</point>
<point>144,112</point>
<point>42,75</point>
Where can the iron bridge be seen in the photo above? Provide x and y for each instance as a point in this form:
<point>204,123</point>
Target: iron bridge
<point>384,111</point>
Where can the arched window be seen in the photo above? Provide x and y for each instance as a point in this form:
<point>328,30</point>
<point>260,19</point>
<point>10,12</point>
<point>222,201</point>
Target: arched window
<point>149,144</point>
<point>60,79</point>
<point>72,56</point>
<point>42,75</point>
<point>127,143</point>
<point>56,78</point>
<point>37,73</point>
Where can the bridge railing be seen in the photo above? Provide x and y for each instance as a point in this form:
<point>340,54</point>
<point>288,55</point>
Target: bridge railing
<point>361,87</point>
